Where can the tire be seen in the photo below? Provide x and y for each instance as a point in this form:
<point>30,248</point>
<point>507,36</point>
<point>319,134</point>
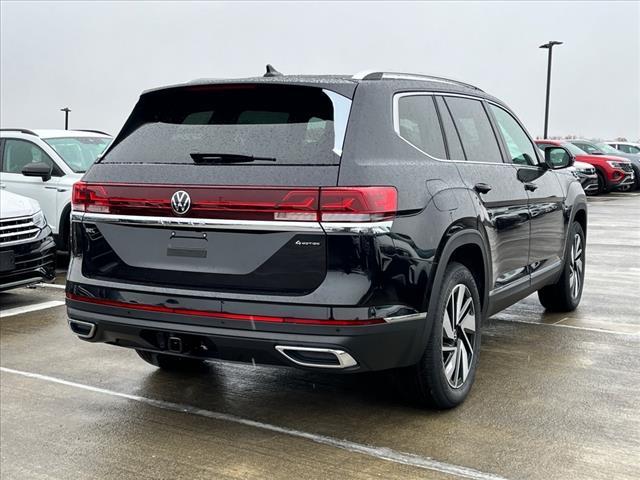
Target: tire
<point>172,363</point>
<point>602,184</point>
<point>565,294</point>
<point>440,378</point>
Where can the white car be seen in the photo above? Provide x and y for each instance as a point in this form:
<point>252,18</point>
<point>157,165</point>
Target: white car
<point>626,147</point>
<point>27,248</point>
<point>44,165</point>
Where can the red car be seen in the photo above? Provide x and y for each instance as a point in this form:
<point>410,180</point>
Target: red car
<point>614,173</point>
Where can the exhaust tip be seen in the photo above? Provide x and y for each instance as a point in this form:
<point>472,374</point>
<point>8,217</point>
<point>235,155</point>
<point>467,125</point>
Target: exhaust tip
<point>317,357</point>
<point>82,329</point>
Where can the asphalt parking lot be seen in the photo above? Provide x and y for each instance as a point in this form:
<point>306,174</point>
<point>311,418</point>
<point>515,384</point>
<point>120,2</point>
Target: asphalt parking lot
<point>556,396</point>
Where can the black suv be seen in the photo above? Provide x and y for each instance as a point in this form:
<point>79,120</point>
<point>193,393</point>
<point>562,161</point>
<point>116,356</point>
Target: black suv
<point>332,223</point>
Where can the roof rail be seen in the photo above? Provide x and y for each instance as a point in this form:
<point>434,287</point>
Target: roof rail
<point>21,130</point>
<point>373,75</point>
<point>91,131</point>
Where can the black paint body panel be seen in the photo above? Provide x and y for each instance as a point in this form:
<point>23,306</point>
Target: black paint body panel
<point>512,234</point>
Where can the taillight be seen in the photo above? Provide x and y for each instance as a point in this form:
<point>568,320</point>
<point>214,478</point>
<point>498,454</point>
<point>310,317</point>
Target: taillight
<point>79,196</point>
<point>326,204</point>
<point>358,204</point>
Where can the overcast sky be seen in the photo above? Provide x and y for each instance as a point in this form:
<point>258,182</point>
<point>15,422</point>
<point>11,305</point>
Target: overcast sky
<point>96,57</point>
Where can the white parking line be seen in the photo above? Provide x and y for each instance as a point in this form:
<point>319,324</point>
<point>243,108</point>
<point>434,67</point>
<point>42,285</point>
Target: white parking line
<point>30,308</point>
<point>382,453</point>
<point>51,285</point>
<point>575,327</point>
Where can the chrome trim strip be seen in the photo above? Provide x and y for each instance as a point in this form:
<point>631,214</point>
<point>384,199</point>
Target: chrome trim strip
<point>15,226</point>
<point>16,219</point>
<point>344,359</point>
<point>547,268</point>
<point>515,283</point>
<point>182,222</point>
<point>92,328</point>
<point>221,224</point>
<point>20,232</point>
<point>396,122</point>
<point>406,318</point>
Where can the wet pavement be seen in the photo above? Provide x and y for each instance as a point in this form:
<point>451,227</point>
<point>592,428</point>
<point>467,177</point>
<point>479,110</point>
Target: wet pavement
<point>556,397</point>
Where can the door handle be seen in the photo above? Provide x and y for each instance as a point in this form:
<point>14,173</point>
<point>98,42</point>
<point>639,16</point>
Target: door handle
<point>482,188</point>
<point>59,189</point>
<point>532,187</point>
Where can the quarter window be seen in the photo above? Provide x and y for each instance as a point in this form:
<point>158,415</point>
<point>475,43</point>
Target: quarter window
<point>418,124</point>
<point>520,148</point>
<point>20,153</point>
<point>479,141</point>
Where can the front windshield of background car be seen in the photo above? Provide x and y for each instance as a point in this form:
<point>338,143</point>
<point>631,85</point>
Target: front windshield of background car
<point>79,152</point>
<point>608,149</point>
<point>590,148</point>
<point>573,149</point>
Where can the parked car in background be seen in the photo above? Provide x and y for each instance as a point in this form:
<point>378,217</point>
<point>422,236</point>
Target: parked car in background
<point>330,223</point>
<point>613,172</point>
<point>626,147</point>
<point>603,148</point>
<point>586,174</point>
<point>27,248</point>
<point>44,164</point>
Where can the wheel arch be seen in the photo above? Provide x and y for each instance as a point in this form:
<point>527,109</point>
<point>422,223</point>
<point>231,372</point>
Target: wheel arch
<point>467,247</point>
<point>580,216</point>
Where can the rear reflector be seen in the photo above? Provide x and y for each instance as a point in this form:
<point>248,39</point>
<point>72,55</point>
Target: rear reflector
<point>327,204</point>
<point>220,315</point>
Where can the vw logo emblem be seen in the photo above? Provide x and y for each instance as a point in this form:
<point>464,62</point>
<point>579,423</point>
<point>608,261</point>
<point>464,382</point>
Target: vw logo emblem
<point>180,202</point>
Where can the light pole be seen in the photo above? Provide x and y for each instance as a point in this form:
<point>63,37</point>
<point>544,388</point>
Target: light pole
<point>548,46</point>
<point>66,111</point>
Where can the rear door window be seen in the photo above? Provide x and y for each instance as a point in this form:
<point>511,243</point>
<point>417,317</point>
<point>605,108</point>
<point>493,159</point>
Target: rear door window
<point>418,123</point>
<point>473,125</point>
<point>285,124</point>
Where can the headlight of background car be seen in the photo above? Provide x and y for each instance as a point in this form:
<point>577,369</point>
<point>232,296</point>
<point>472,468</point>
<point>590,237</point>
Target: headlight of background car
<point>614,164</point>
<point>39,220</point>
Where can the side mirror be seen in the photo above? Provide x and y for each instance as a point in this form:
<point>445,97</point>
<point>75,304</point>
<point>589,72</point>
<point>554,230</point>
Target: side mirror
<point>557,157</point>
<point>39,169</point>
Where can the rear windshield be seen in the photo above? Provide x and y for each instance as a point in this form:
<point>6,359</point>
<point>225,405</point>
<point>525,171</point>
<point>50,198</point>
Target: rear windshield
<point>278,124</point>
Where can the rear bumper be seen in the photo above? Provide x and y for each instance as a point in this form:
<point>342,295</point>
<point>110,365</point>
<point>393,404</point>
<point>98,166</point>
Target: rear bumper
<point>33,262</point>
<point>372,347</point>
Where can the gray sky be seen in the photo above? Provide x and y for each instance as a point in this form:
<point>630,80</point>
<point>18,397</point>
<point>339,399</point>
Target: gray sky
<point>96,58</point>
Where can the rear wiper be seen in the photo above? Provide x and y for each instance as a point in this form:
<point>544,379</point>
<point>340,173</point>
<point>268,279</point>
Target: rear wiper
<point>214,158</point>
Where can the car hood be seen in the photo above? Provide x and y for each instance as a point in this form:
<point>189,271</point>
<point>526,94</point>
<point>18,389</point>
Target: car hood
<point>601,158</point>
<point>12,205</point>
<point>582,165</point>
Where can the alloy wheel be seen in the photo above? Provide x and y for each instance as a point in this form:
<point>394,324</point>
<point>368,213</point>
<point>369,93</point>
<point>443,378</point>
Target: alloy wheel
<point>458,335</point>
<point>576,266</point>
